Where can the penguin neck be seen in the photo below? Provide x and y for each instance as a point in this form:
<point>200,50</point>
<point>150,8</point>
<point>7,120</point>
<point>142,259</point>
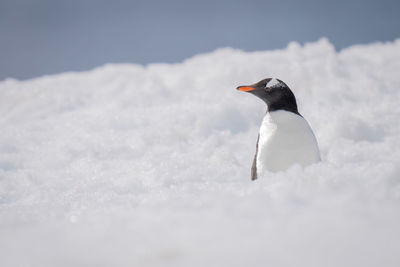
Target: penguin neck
<point>291,107</point>
<point>280,118</point>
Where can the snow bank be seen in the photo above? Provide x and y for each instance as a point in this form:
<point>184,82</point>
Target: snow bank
<point>128,165</point>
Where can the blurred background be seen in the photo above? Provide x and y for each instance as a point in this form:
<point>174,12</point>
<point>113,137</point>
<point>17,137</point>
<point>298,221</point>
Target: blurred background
<point>51,36</point>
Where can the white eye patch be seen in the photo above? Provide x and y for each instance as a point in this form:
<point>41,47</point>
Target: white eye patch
<point>272,83</point>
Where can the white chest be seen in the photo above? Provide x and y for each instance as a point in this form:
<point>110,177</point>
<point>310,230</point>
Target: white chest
<point>285,139</point>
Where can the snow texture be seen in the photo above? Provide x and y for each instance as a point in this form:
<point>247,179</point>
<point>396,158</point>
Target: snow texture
<point>130,165</point>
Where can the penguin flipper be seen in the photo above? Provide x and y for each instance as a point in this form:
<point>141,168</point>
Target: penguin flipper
<point>254,166</point>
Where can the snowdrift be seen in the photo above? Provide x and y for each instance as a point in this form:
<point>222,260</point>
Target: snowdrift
<point>129,165</point>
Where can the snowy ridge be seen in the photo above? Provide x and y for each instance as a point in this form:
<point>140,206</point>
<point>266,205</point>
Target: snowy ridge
<point>128,165</point>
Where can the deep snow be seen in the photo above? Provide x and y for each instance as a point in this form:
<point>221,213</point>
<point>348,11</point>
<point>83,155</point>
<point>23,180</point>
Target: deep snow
<point>128,165</point>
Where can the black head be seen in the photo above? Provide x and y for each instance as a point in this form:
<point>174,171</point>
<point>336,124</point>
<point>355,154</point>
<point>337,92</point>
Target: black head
<point>275,93</point>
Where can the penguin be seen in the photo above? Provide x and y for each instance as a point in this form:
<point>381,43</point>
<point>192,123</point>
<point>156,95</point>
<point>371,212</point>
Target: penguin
<point>285,137</point>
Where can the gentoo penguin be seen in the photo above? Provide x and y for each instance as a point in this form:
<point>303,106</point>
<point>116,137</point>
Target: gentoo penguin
<point>285,138</point>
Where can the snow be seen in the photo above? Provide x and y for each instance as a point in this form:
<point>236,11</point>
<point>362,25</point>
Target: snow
<point>129,165</point>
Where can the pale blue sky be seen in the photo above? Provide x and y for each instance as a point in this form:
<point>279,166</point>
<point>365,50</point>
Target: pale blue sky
<point>50,36</point>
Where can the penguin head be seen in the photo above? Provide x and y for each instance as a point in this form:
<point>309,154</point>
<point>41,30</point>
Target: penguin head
<point>274,92</point>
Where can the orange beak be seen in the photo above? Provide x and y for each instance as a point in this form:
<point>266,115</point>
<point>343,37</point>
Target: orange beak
<point>245,88</point>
